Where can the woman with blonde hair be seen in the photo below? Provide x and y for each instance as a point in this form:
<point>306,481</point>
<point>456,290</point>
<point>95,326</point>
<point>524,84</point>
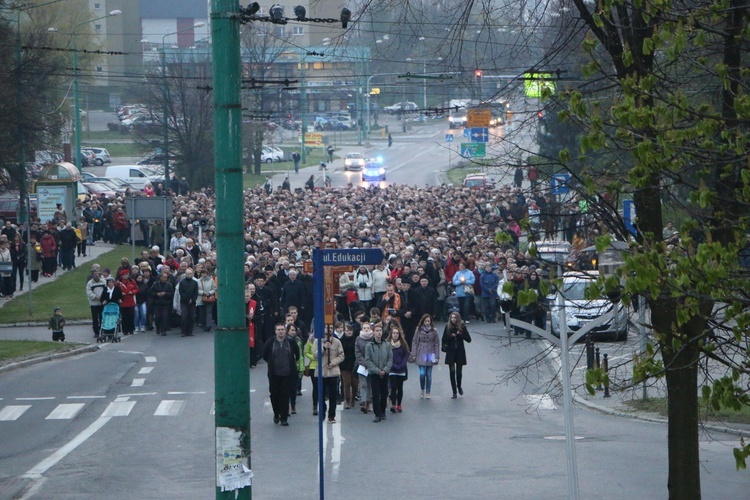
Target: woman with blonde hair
<point>425,352</point>
<point>398,373</point>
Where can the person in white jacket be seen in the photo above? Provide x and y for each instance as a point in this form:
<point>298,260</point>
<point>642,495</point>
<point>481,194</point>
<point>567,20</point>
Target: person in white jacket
<point>379,282</point>
<point>363,283</point>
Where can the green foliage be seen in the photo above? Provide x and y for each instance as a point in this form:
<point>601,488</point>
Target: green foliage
<point>596,377</point>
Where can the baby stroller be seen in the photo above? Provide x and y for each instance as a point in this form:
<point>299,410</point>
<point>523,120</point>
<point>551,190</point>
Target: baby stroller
<point>110,331</point>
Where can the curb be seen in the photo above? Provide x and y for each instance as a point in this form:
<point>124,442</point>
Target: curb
<point>656,420</point>
<point>48,357</point>
<point>75,322</point>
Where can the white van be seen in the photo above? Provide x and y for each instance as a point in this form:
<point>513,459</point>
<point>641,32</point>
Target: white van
<point>135,175</point>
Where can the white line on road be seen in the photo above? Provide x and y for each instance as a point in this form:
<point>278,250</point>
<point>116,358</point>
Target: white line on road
<point>213,409</point>
<point>86,397</point>
<point>130,352</point>
<point>138,382</point>
<point>12,412</point>
<point>169,408</point>
<point>45,398</point>
<point>49,462</point>
<point>145,370</point>
<point>65,411</point>
<point>136,394</point>
<point>177,393</point>
<point>118,409</point>
<point>150,359</point>
<point>338,440</point>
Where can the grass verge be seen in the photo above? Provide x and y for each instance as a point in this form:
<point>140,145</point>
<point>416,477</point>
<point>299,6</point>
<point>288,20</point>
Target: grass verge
<point>16,350</point>
<point>659,405</point>
<point>68,292</point>
<point>456,176</point>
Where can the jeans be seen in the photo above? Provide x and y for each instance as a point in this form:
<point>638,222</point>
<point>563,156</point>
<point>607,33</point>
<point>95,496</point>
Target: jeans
<point>425,378</point>
<point>140,316</point>
<point>489,308</point>
<point>364,388</point>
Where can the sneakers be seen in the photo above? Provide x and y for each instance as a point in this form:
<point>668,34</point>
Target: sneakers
<point>393,408</point>
<point>376,419</point>
<point>331,420</point>
<point>398,408</point>
<point>421,396</point>
<point>427,395</point>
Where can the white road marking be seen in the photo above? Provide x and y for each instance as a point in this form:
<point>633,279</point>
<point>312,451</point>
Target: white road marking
<point>150,359</point>
<point>65,411</point>
<point>86,397</point>
<point>12,412</point>
<point>169,408</point>
<point>138,382</point>
<point>145,370</point>
<point>338,440</point>
<point>252,390</point>
<point>46,464</point>
<point>45,398</point>
<point>118,409</point>
<point>177,393</point>
<point>130,352</point>
<point>213,409</point>
<point>136,394</point>
<point>541,401</point>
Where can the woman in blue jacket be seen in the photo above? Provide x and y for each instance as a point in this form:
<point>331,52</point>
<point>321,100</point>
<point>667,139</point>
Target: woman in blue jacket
<point>398,373</point>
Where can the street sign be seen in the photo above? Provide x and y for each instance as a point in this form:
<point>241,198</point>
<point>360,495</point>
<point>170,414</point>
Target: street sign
<point>481,134</point>
<point>448,137</point>
<point>352,257</point>
<point>535,84</point>
<point>375,91</point>
<point>628,216</point>
<point>478,117</point>
<point>473,150</point>
<point>467,133</point>
<point>558,184</point>
<point>313,139</point>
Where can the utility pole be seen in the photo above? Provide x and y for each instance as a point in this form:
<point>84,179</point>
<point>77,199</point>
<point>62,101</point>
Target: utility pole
<point>231,349</point>
<point>303,106</point>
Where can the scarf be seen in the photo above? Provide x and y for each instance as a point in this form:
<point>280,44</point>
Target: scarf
<point>366,335</point>
<point>395,345</point>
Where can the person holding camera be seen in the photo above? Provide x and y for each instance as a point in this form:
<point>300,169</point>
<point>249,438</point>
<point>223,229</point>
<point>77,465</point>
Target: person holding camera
<point>332,356</point>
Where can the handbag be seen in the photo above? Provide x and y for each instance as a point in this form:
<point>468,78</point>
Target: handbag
<point>208,299</point>
<point>444,347</point>
<point>469,289</point>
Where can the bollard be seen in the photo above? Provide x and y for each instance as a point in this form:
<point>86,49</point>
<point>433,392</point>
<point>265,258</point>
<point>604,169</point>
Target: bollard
<point>597,365</point>
<point>606,370</point>
<point>589,353</point>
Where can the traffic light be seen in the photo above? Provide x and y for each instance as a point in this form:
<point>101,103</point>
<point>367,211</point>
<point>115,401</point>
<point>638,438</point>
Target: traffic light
<point>478,73</point>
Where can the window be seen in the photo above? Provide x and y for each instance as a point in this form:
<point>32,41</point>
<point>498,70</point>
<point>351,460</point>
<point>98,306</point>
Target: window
<point>317,65</point>
<point>279,31</point>
<point>298,30</point>
<point>97,27</point>
<point>99,69</point>
<point>97,6</point>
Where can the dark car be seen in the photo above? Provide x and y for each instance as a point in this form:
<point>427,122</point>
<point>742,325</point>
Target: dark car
<point>9,207</point>
<point>156,159</point>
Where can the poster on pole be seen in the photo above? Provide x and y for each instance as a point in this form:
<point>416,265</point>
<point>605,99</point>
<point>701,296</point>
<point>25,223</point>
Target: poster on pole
<point>48,198</point>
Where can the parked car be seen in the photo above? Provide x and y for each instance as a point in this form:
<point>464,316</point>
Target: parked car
<point>119,183</point>
<point>135,175</point>
<point>98,190</point>
<point>478,181</point>
<point>271,154</point>
<point>337,124</point>
<point>580,311</point>
<point>374,170</point>
<point>9,206</point>
<point>156,159</point>
<point>401,107</point>
<point>98,156</point>
<point>354,161</point>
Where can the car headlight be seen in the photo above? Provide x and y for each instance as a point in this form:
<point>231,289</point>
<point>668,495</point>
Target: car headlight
<point>382,171</point>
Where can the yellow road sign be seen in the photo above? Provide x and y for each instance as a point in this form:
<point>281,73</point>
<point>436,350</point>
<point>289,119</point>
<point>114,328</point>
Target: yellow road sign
<point>478,118</point>
<point>314,139</point>
<point>375,91</point>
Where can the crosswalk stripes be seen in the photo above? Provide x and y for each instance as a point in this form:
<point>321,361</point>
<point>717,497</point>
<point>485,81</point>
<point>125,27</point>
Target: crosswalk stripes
<point>119,409</point>
<point>13,412</point>
<point>65,411</point>
<point>169,408</point>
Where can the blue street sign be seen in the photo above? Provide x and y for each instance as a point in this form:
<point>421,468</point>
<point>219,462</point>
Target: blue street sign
<point>352,256</point>
<point>628,216</point>
<point>448,137</point>
<point>473,150</point>
<point>467,132</point>
<point>558,184</point>
<point>481,134</point>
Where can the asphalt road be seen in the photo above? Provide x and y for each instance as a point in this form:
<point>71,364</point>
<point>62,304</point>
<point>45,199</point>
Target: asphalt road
<point>145,430</point>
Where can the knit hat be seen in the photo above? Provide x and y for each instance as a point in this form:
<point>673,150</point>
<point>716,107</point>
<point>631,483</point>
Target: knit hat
<point>56,309</point>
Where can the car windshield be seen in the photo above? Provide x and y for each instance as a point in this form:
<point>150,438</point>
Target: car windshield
<point>474,183</point>
<point>575,290</point>
<point>354,155</point>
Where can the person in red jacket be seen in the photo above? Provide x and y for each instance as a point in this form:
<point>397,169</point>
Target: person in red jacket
<point>49,254</point>
<point>120,223</point>
<point>127,308</point>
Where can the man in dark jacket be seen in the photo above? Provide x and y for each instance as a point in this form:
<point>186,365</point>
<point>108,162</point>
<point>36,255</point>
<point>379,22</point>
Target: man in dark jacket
<point>292,293</point>
<point>162,293</point>
<point>281,355</point>
<point>424,299</point>
<point>188,290</point>
<point>68,242</point>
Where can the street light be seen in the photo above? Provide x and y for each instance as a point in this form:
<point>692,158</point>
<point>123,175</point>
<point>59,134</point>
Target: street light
<point>165,95</point>
<point>76,113</point>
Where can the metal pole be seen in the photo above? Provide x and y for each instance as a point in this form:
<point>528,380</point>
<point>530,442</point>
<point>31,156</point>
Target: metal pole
<point>319,322</point>
<point>29,250</point>
<point>231,353</point>
<point>424,86</point>
<point>303,106</point>
<point>642,335</point>
<point>76,115</point>
<point>165,111</point>
<point>567,402</point>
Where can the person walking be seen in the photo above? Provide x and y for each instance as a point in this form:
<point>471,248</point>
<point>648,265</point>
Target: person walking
<point>330,149</point>
<point>349,378</point>
<point>188,291</point>
<point>360,349</point>
<point>292,333</point>
<point>312,363</point>
<point>425,352</point>
<point>127,307</point>
<point>332,356</point>
<point>455,335</point>
<point>206,301</point>
<point>296,158</point>
<point>94,289</point>
<point>162,294</point>
<point>390,140</point>
<point>398,373</point>
<point>281,355</point>
<point>489,280</point>
<point>378,361</point>
<point>463,281</point>
<point>141,303</point>
<point>6,276</point>
<point>19,256</point>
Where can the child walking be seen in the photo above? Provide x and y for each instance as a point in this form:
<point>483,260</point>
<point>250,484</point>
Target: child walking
<point>56,324</point>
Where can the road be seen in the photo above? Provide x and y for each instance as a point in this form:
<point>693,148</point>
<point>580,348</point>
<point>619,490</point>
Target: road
<point>134,421</point>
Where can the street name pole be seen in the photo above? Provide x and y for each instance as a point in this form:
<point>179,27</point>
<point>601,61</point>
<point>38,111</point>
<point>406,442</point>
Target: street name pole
<point>231,349</point>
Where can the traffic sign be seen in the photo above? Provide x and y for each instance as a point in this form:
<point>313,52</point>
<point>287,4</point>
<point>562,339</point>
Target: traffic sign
<point>558,184</point>
<point>375,91</point>
<point>352,256</point>
<point>478,117</point>
<point>467,133</point>
<point>473,150</point>
<point>481,134</point>
<point>628,216</point>
<point>448,137</point>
